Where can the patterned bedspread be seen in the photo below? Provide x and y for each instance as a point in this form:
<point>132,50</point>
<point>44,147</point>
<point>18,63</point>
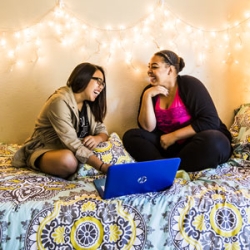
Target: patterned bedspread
<point>203,210</point>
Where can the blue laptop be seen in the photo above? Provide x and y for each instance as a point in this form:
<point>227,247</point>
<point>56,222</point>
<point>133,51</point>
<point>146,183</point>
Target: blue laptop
<point>137,177</point>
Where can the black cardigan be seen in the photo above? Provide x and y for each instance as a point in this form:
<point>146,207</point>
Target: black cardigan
<point>199,103</point>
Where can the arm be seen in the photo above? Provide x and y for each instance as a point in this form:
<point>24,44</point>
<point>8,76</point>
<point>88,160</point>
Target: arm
<point>199,103</point>
<point>146,117</point>
<point>64,122</point>
<point>98,132</point>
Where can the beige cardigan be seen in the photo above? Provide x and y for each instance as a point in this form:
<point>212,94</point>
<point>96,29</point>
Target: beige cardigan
<point>57,126</point>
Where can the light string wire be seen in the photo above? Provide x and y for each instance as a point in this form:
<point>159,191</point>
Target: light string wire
<point>130,26</point>
<point>60,5</point>
<point>161,26</point>
<point>230,27</point>
<point>159,5</point>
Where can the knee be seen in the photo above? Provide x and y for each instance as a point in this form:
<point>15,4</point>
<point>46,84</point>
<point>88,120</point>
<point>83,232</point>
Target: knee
<point>212,138</point>
<point>128,136</point>
<point>130,132</point>
<point>69,162</point>
<point>215,142</point>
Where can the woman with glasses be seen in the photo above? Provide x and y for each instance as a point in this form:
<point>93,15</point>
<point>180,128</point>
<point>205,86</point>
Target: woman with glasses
<point>69,126</point>
<point>177,118</point>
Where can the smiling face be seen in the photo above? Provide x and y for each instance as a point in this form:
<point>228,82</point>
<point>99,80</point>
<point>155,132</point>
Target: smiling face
<point>158,71</point>
<point>94,87</point>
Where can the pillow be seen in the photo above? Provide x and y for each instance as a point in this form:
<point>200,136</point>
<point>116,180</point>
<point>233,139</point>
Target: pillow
<point>6,153</point>
<point>111,151</point>
<point>240,129</point>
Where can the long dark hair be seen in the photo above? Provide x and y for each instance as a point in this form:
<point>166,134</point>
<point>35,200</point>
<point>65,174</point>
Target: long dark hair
<point>79,80</point>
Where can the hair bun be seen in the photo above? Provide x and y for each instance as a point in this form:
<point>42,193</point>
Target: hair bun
<point>181,64</point>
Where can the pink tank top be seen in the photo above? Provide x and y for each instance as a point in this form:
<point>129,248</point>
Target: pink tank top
<point>172,118</point>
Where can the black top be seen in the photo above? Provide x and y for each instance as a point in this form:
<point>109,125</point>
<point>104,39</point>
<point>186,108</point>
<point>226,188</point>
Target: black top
<point>84,123</point>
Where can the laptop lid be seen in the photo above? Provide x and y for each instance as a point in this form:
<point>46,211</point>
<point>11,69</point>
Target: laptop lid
<point>137,177</point>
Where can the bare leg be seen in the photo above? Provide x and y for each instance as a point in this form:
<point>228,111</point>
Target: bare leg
<point>61,163</point>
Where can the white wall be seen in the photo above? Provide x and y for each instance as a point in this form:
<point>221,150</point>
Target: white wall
<point>36,58</point>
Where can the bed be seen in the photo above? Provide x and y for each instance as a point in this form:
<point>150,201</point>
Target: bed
<point>209,209</point>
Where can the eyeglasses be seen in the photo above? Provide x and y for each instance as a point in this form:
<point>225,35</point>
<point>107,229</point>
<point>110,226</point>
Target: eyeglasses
<point>99,81</point>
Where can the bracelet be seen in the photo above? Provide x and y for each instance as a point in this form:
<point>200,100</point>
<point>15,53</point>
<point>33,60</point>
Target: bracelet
<point>100,168</point>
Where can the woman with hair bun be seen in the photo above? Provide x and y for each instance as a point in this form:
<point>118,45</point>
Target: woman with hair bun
<point>177,118</point>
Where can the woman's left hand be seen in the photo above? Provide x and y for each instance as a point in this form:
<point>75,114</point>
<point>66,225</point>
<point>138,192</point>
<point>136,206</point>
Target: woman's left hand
<point>167,140</point>
<point>90,141</point>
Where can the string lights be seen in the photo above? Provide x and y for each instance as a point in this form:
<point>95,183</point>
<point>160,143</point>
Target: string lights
<point>161,28</point>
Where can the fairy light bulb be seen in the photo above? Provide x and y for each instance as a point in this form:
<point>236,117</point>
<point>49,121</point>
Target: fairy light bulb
<point>68,26</point>
<point>236,23</point>
<point>58,12</point>
<point>226,37</point>
<point>60,4</point>
<point>64,42</point>
<point>189,29</point>
<point>73,21</point>
<point>114,43</point>
<point>145,30</point>
<point>201,57</point>
<point>58,29</point>
<point>19,63</point>
<point>94,34</point>
<point>247,14</point>
<point>3,42</point>
<point>122,27</point>
<point>17,35</point>
<point>150,8</point>
<point>213,34</point>
<point>128,57</point>
<point>51,23</point>
<point>238,46</point>
<point>38,42</point>
<point>108,27</point>
<point>11,54</point>
<point>84,27</point>
<point>104,45</point>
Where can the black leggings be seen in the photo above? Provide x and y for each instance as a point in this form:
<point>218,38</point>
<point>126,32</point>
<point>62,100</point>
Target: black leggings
<point>206,149</point>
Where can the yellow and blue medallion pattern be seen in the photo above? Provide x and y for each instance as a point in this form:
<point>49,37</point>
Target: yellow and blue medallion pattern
<point>87,223</point>
<point>214,218</point>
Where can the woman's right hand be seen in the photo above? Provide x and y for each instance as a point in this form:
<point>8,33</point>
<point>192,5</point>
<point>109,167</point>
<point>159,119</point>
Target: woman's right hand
<point>156,90</point>
<point>99,165</point>
<point>105,167</point>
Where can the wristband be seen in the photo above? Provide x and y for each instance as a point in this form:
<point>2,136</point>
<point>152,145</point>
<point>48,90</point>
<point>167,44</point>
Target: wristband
<point>100,168</point>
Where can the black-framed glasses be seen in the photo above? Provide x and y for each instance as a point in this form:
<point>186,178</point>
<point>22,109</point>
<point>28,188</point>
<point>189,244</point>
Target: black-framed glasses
<point>99,81</point>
